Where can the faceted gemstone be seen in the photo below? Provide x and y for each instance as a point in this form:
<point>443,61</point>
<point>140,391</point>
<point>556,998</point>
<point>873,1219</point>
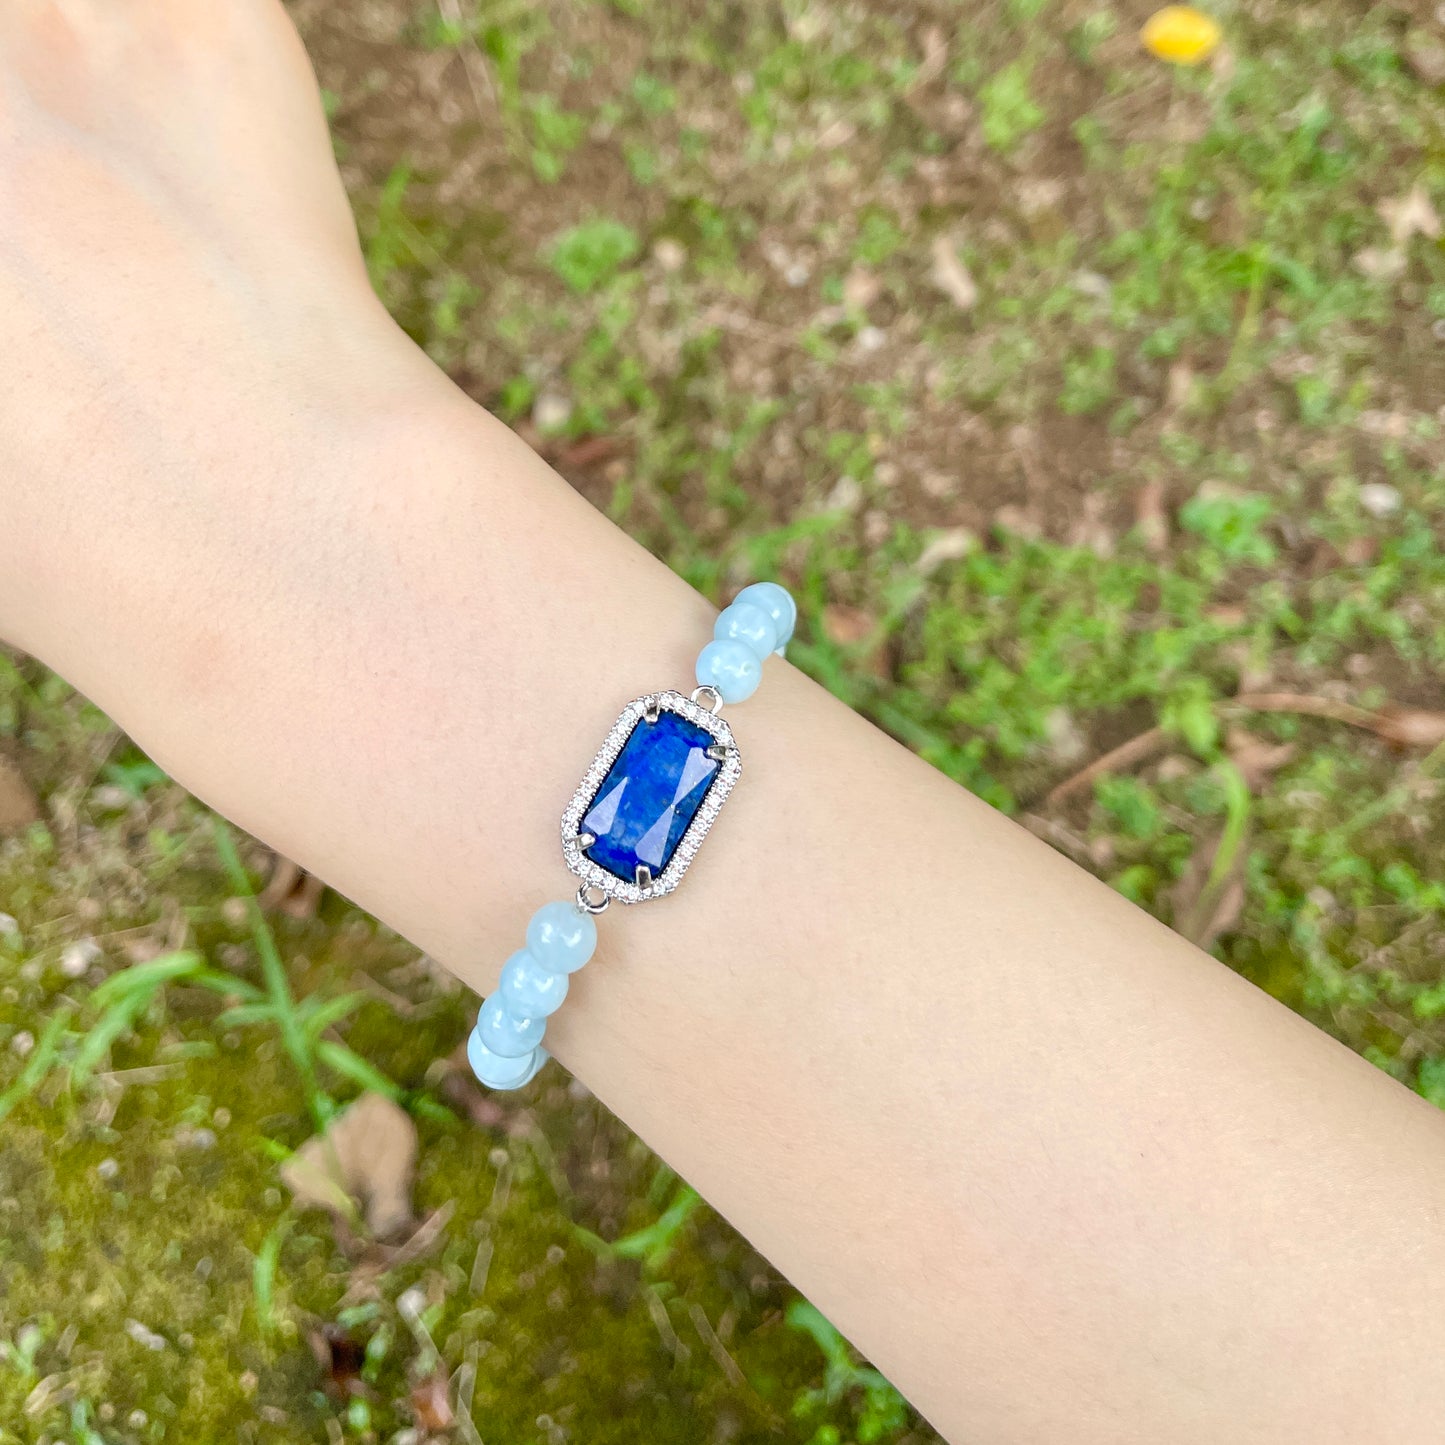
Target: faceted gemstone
<point>649,796</point>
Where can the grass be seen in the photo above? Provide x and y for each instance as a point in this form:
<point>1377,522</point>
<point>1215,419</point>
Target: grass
<point>1184,444</point>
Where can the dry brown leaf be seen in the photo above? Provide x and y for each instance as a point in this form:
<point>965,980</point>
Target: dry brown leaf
<point>1409,216</point>
<point>292,890</point>
<point>951,276</point>
<point>19,807</point>
<point>845,625</point>
<point>935,57</point>
<point>368,1154</point>
<point>947,546</point>
<point>1379,263</point>
<point>1256,758</point>
<point>591,451</point>
<point>1204,914</point>
<point>340,1356</point>
<point>429,1404</point>
<point>1410,727</point>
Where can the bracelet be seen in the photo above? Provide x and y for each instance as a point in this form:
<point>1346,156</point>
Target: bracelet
<point>633,826</point>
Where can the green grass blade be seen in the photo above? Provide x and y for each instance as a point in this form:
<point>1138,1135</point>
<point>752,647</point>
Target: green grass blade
<point>38,1064</point>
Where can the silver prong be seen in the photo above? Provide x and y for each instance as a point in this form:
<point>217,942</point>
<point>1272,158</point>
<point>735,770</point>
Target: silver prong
<point>651,713</point>
<point>643,876</point>
<point>585,840</point>
<point>718,752</point>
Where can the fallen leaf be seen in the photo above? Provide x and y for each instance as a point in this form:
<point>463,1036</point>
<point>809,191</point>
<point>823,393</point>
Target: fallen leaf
<point>945,546</point>
<point>429,1404</point>
<point>847,626</point>
<point>1202,912</point>
<point>19,807</point>
<point>935,57</point>
<point>291,890</point>
<point>1409,216</point>
<point>340,1356</point>
<point>591,451</point>
<point>1256,758</point>
<point>951,276</point>
<point>1410,727</point>
<point>1379,263</point>
<point>368,1154</point>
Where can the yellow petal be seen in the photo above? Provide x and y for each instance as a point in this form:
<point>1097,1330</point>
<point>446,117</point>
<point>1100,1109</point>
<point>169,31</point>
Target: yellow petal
<point>1180,34</point>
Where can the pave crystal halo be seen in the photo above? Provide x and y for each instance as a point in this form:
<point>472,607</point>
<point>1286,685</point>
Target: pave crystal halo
<point>658,782</point>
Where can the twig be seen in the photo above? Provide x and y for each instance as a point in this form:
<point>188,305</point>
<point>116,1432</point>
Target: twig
<point>1124,756</point>
<point>1138,748</point>
<point>1307,705</point>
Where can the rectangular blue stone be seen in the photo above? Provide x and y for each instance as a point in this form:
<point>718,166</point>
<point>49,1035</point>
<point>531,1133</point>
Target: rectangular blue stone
<point>650,794</point>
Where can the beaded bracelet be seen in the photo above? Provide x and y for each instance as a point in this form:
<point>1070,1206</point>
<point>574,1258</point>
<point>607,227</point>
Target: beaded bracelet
<point>633,826</point>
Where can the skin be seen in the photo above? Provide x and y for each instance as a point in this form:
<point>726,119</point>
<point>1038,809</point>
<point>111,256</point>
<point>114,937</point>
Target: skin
<point>1060,1175</point>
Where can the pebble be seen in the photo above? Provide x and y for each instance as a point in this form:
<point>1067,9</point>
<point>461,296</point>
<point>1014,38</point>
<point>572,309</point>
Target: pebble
<point>551,412</point>
<point>670,254</point>
<point>78,956</point>
<point>1380,499</point>
<point>22,1043</point>
<point>107,1169</point>
<point>147,1338</point>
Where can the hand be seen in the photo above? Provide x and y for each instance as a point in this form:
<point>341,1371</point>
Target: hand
<point>177,257</point>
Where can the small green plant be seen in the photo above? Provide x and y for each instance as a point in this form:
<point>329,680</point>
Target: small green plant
<point>653,1243</point>
<point>1232,523</point>
<point>589,255</point>
<point>1009,111</point>
<point>879,1410</point>
<point>1088,381</point>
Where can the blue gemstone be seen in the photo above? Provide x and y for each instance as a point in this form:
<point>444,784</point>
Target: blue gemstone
<point>649,796</point>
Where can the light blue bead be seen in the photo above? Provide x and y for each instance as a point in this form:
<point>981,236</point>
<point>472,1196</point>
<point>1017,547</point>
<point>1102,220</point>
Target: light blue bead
<point>539,1057</point>
<point>776,602</point>
<point>529,990</point>
<point>506,1034</point>
<point>497,1072</point>
<point>561,937</point>
<point>731,667</point>
<point>749,624</point>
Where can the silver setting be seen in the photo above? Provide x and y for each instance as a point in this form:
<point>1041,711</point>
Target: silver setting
<point>587,903</point>
<point>718,752</point>
<point>586,839</point>
<point>652,714</point>
<point>644,875</point>
<point>716,705</point>
<point>593,875</point>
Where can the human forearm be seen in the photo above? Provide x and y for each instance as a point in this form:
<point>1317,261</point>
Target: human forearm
<point>1060,1175</point>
